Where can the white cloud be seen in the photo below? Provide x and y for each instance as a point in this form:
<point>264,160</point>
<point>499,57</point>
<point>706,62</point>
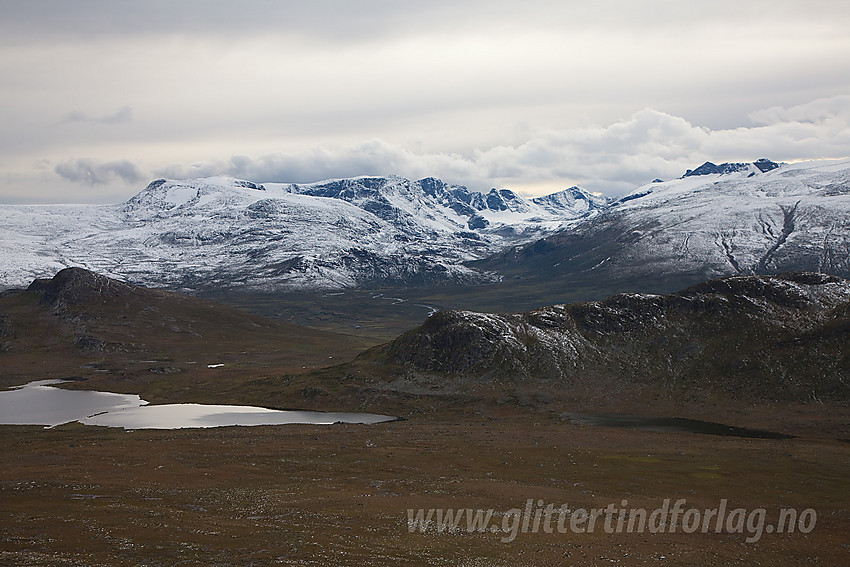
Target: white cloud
<point>820,111</point>
<point>611,159</point>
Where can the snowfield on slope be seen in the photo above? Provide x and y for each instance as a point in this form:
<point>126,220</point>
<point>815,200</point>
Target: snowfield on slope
<point>745,222</point>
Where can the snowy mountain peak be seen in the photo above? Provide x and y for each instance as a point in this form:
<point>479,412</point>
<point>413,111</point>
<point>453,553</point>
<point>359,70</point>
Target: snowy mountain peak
<point>504,200</point>
<point>795,217</point>
<point>699,176</point>
<point>762,165</point>
<point>765,165</point>
<point>574,199</point>
<point>167,194</point>
<point>451,207</point>
<point>222,231</point>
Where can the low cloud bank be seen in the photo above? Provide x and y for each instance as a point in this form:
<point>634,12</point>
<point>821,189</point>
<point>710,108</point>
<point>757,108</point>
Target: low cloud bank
<point>610,159</point>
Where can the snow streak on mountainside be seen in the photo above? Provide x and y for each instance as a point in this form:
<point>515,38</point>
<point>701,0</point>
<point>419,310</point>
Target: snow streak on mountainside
<point>756,218</point>
<point>222,232</point>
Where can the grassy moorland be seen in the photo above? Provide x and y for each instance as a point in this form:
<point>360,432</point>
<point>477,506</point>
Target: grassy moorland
<point>340,494</point>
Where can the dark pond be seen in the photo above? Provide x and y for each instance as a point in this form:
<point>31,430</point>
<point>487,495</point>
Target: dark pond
<point>672,424</point>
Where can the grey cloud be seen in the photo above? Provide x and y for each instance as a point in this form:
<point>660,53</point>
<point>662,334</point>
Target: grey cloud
<point>120,116</point>
<point>343,20</point>
<point>124,114</point>
<point>339,20</point>
<point>94,172</point>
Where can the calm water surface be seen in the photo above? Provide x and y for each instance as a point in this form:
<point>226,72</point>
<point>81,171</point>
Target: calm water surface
<point>39,403</point>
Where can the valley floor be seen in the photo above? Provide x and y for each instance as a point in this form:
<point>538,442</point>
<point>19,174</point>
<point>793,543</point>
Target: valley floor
<point>340,495</point>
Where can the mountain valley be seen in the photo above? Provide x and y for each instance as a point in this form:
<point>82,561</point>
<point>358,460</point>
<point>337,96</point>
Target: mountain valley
<point>535,350</point>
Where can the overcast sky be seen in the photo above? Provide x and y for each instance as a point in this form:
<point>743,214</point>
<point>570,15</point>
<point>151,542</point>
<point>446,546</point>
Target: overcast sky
<point>99,97</point>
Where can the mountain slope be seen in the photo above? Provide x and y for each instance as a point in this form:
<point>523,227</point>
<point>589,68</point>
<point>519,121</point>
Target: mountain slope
<point>223,232</point>
<point>217,234</point>
<point>714,221</point>
<point>782,337</point>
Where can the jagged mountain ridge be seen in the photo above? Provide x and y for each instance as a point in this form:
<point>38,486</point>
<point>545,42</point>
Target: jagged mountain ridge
<point>394,199</point>
<point>768,337</point>
<point>223,232</point>
<point>763,165</point>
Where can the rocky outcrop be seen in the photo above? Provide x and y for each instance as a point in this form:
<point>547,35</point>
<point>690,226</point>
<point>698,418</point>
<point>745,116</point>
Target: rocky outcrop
<point>786,336</point>
<point>73,286</point>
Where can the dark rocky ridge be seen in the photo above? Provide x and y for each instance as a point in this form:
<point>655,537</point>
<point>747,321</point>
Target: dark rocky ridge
<point>764,165</point>
<point>781,337</point>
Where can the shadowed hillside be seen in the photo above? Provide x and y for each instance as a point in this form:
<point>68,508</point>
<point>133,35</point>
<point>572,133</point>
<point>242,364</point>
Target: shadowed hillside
<point>117,335</point>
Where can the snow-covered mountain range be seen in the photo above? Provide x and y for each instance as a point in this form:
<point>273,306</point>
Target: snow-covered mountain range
<point>222,232</point>
<point>756,218</point>
<point>716,220</point>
